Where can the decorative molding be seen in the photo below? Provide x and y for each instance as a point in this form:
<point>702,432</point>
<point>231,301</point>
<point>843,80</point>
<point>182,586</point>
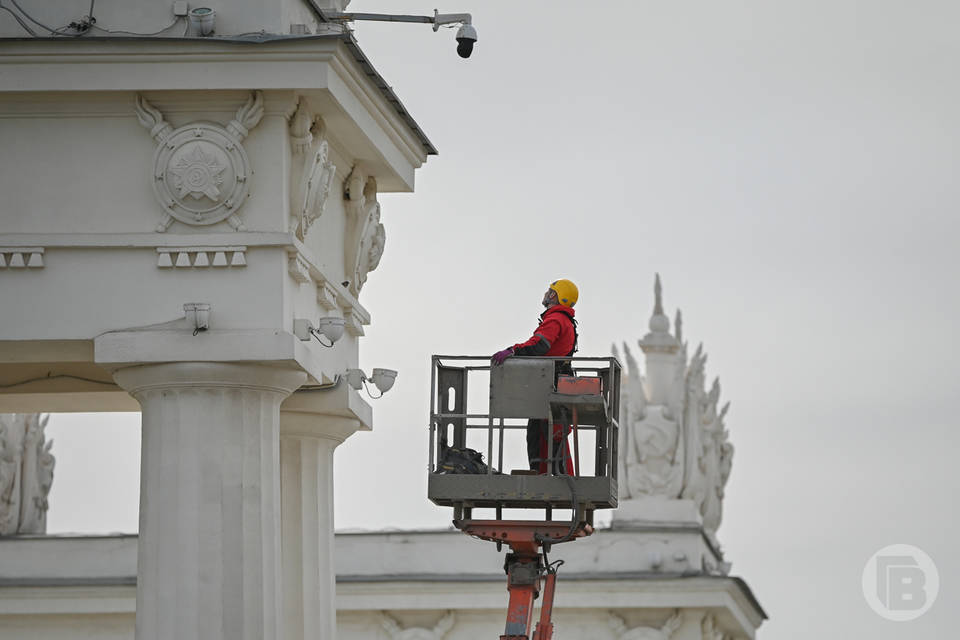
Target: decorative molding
<point>619,627</point>
<point>330,294</point>
<point>674,442</point>
<point>437,632</point>
<point>312,180</point>
<point>21,257</point>
<point>710,630</point>
<point>386,117</point>
<point>26,242</point>
<point>365,237</point>
<point>353,321</point>
<point>215,70</point>
<point>326,296</point>
<point>26,473</point>
<point>298,268</point>
<point>200,257</point>
<point>201,169</point>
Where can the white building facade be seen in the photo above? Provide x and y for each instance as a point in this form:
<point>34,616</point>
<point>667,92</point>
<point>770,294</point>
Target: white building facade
<point>656,573</point>
<point>224,178</point>
<point>227,184</point>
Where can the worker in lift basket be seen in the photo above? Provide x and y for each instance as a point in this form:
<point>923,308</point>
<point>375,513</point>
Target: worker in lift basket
<point>556,336</point>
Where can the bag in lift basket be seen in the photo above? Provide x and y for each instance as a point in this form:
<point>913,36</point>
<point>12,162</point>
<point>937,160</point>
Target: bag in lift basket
<point>457,460</point>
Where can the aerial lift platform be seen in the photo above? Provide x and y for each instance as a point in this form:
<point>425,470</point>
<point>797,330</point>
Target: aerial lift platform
<point>468,423</point>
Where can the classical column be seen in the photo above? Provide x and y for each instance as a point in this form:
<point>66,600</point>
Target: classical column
<point>209,549</point>
<point>309,433</point>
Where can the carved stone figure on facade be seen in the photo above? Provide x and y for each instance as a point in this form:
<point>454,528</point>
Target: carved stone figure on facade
<point>695,479</point>
<point>201,170</point>
<point>437,632</point>
<point>708,627</point>
<point>719,456</point>
<point>37,476</point>
<point>312,181</point>
<point>673,442</point>
<point>26,473</point>
<point>652,446</point>
<point>366,236</point>
<point>619,627</point>
<point>10,471</point>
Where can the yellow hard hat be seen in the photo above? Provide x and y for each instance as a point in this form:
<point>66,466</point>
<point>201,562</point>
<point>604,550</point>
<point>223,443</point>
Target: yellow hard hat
<point>567,292</point>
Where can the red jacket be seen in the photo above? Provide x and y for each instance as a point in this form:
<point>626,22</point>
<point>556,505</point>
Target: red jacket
<point>556,335</point>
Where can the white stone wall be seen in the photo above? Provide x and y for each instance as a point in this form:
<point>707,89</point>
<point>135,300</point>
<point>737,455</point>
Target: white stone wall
<point>144,16</point>
<point>415,578</point>
<point>157,177</point>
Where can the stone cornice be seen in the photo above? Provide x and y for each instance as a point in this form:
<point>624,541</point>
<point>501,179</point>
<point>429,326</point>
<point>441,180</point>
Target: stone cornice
<point>160,241</point>
<point>588,591</point>
<point>384,114</point>
<point>303,64</point>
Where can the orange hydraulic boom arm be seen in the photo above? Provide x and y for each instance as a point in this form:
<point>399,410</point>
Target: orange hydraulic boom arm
<point>526,567</point>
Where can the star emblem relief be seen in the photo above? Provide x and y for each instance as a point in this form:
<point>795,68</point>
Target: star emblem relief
<point>198,174</point>
<point>201,169</point>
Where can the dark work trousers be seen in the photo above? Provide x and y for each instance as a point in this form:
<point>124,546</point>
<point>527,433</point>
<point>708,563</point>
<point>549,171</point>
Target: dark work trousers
<point>538,441</point>
<point>536,430</point>
<point>539,433</point>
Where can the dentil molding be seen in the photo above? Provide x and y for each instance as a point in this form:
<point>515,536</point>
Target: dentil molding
<point>199,257</point>
<point>21,257</point>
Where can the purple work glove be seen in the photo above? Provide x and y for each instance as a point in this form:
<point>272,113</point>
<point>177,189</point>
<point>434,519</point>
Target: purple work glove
<point>500,356</point>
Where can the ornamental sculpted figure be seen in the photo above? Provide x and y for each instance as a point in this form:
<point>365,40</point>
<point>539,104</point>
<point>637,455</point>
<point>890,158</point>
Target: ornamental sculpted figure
<point>312,181</point>
<point>674,443</point>
<point>438,632</point>
<point>619,627</point>
<point>653,452</point>
<point>201,170</point>
<point>709,629</point>
<point>26,473</point>
<point>366,236</point>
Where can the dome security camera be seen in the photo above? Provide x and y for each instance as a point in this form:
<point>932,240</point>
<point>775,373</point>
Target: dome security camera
<point>466,36</point>
<point>331,327</point>
<point>202,20</point>
<point>383,379</point>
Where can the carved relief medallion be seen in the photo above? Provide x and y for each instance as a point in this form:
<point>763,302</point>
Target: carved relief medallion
<point>201,169</point>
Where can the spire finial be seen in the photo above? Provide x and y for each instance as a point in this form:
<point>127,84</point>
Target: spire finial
<point>659,338</point>
<point>658,296</point>
<point>659,322</point>
<point>678,326</point>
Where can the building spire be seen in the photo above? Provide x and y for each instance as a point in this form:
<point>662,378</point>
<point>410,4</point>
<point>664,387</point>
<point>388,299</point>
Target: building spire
<point>660,349</point>
<point>659,336</point>
<point>658,296</point>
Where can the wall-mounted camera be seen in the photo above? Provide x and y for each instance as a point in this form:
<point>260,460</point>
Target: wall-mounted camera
<point>466,34</point>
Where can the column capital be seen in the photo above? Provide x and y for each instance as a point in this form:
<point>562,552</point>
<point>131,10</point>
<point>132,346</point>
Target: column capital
<point>138,379</point>
<point>335,413</point>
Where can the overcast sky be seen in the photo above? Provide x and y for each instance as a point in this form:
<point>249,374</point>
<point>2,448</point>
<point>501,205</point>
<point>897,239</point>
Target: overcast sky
<point>789,168</point>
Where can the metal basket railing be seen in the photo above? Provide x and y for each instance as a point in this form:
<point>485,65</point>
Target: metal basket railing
<point>521,390</point>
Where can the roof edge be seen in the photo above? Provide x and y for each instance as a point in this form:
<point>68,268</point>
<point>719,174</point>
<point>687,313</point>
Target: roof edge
<point>268,38</point>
